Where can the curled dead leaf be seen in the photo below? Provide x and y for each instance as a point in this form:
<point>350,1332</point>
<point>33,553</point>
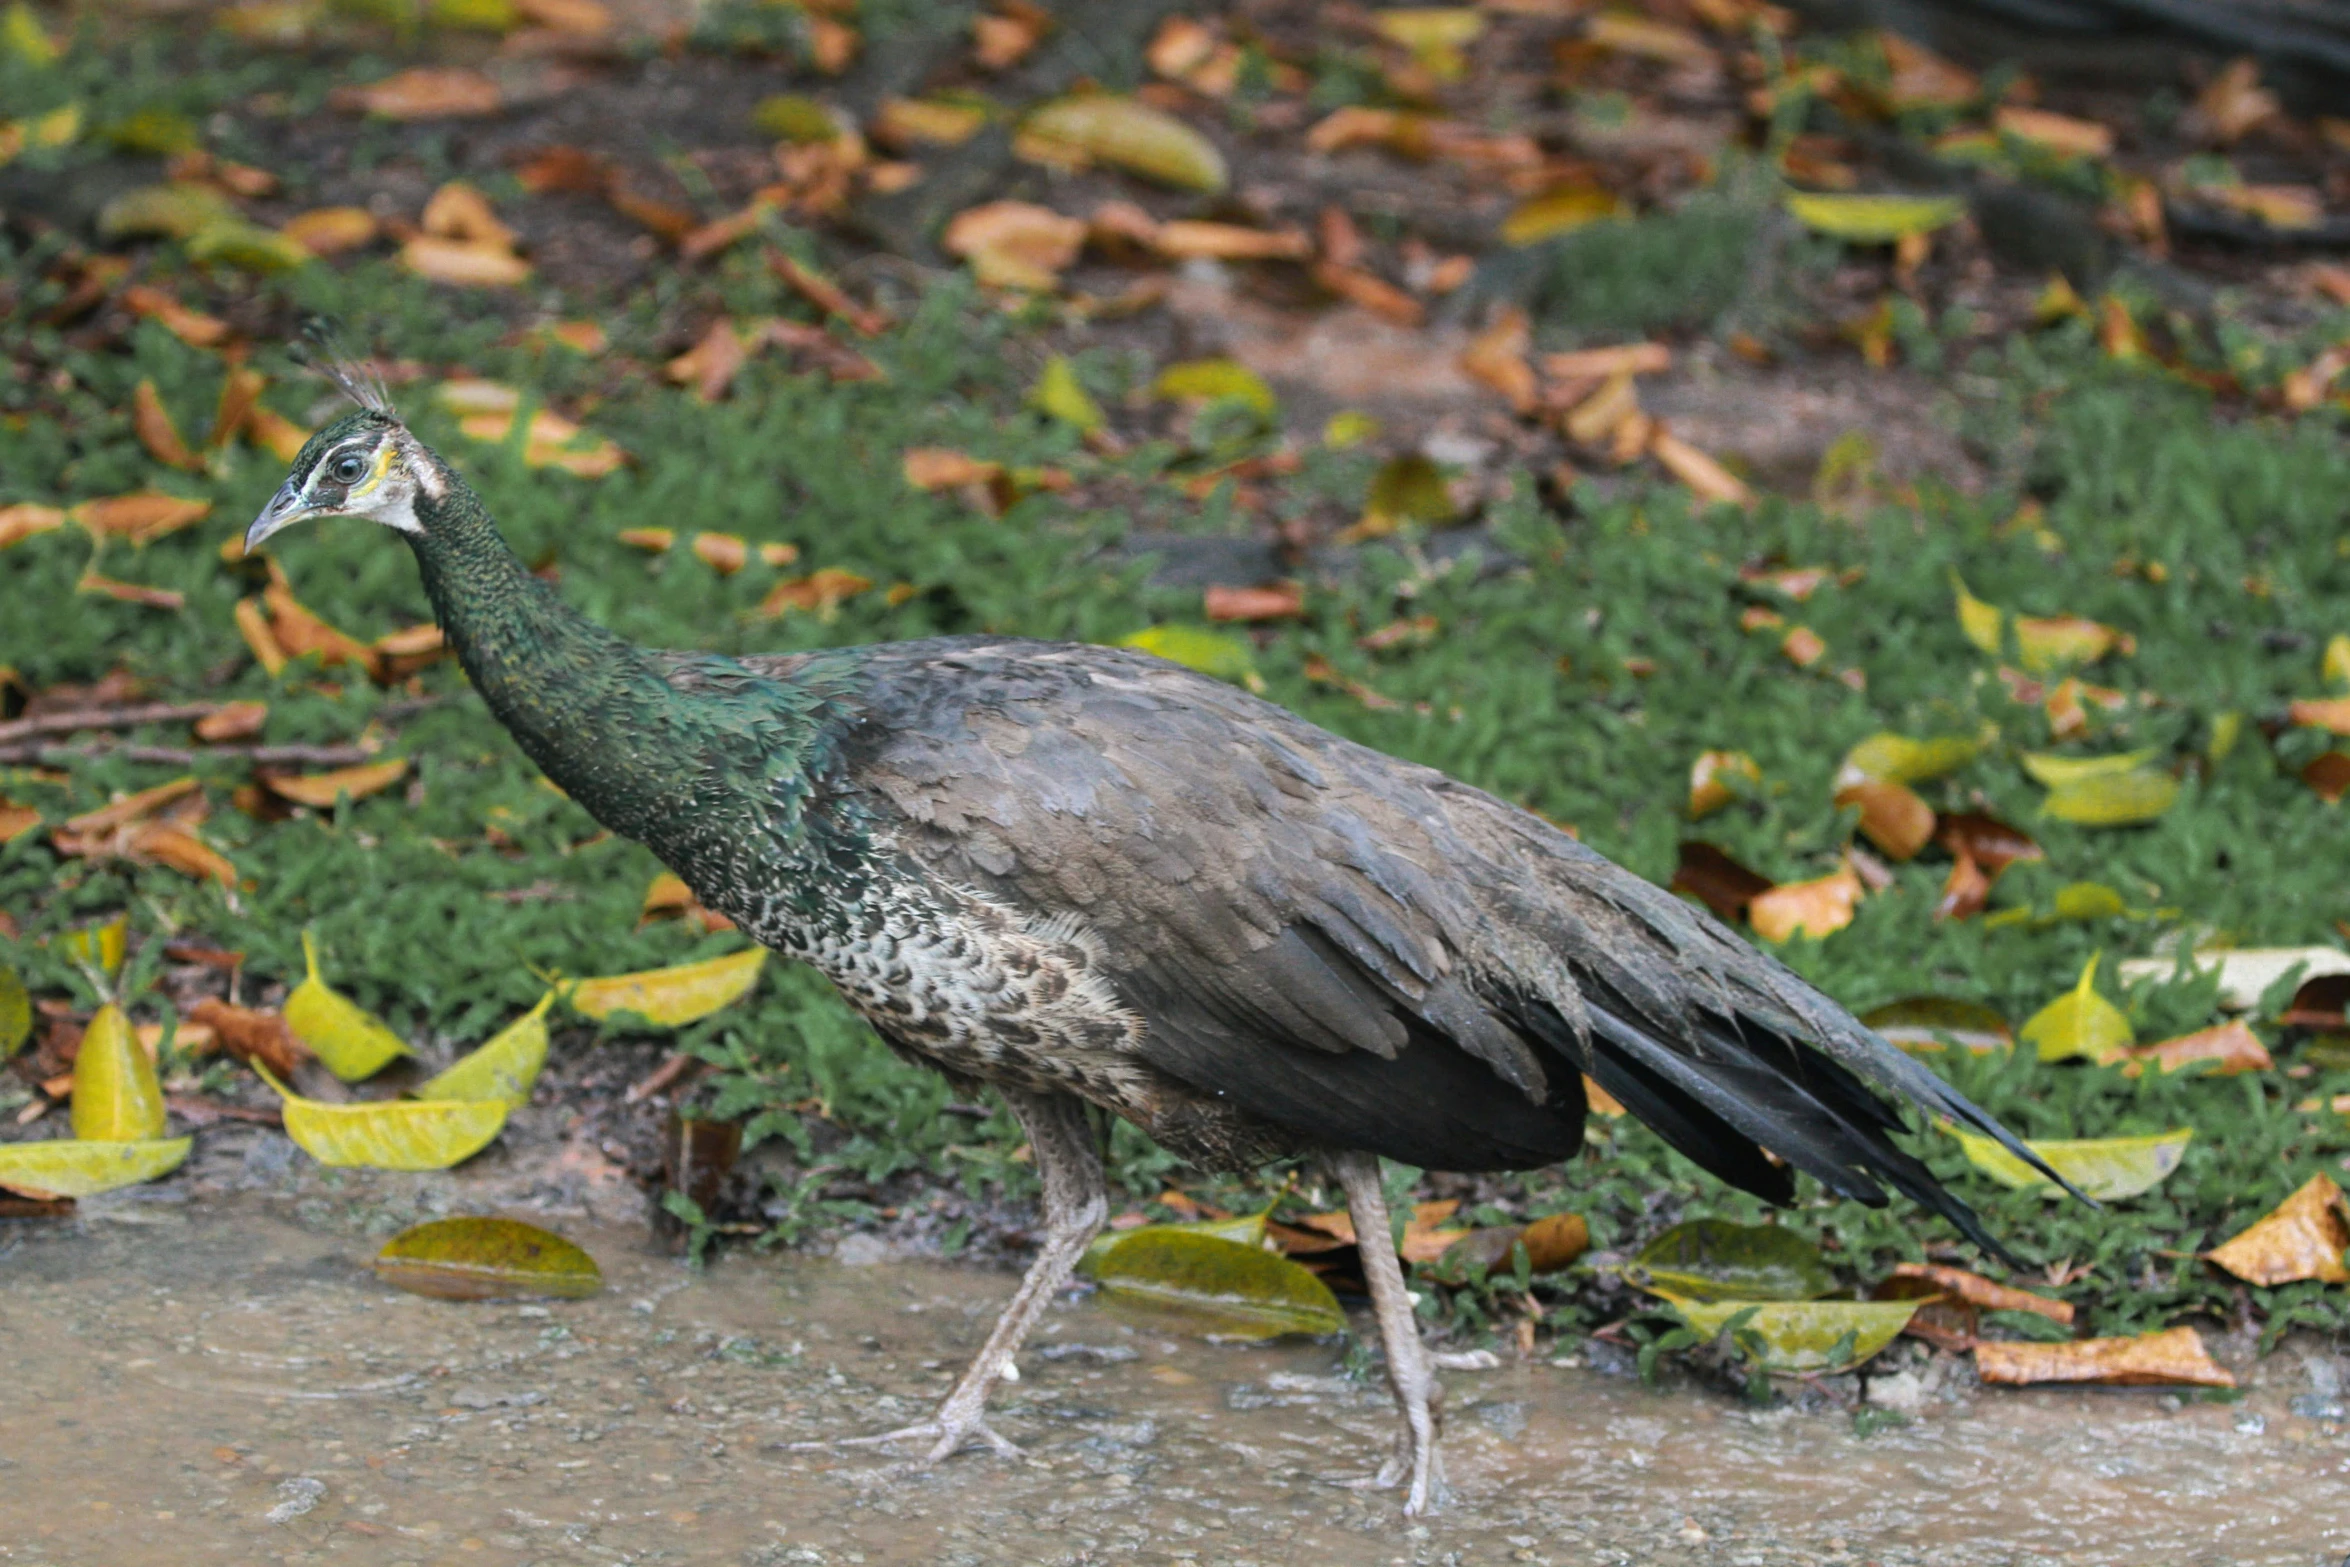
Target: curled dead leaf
<point>463,263</point>
<point>1892,816</point>
<point>424,93</point>
<point>2175,1355</point>
<point>320,791</point>
<point>1015,244</point>
<point>1714,879</point>
<point>2227,1049</point>
<point>2303,1237</point>
<point>330,231</point>
<point>1277,601</point>
<point>141,518</point>
<point>1817,908</point>
<point>1709,788</point>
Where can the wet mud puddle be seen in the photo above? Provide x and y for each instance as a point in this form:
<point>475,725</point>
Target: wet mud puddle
<point>222,1385</point>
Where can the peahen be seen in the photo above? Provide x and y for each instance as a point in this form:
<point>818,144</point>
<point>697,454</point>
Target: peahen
<point>1086,876</point>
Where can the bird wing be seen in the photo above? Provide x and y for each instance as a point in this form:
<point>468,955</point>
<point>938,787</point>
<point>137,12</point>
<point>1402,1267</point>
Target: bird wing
<point>1360,949</point>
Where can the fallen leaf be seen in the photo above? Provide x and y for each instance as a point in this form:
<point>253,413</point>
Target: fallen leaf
<point>2080,1023</point>
<point>1621,32</point>
<point>1496,357</point>
<point>1226,1287</point>
<point>2104,1168</point>
<point>116,1098</point>
<point>131,592</point>
<point>1371,292</point>
<point>1594,418</point>
<point>424,93</point>
<point>503,1069</point>
<point>331,231</point>
<point>818,593</point>
<point>1059,393</point>
<point>1015,244</point>
<point>1982,624</point>
<point>487,1259</point>
<point>252,1034</point>
<point>321,791</point>
<point>711,365</point>
<point>2052,642</point>
<point>1801,1338</point>
<point>1550,1244</point>
<point>352,1042</point>
<point>1924,1023</point>
<point>581,18</point>
<point>2113,799</point>
<point>2303,1237</point>
<point>724,553</point>
<point>1892,758</point>
<point>940,468</point>
<point>1874,220</point>
<point>2175,1355</point>
<point>1817,908</point>
<point>1405,488</point>
<point>16,1011</point>
<point>1709,790</point>
<point>1716,880</point>
<point>1133,136</point>
<point>1891,816</point>
<point>1991,843</point>
<point>1983,1294</point>
<point>1598,363</point>
<point>26,520</point>
<point>2245,973</point>
<point>2058,133</point>
<point>1278,601</point>
<point>463,263</point>
<point>1003,38</point>
<point>670,997</point>
<point>1705,477</point>
<point>153,425</point>
<point>399,1134</point>
<point>1559,210</point>
<point>63,1167</point>
<point>1195,647</point>
<point>142,518</point>
<point>1214,380</point>
<point>1708,1260</point>
<point>906,122</point>
<point>2228,1049</point>
<point>2331,714</point>
<point>457,210</point>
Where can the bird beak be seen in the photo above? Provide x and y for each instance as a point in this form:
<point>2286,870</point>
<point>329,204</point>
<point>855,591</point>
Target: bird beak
<point>283,511</point>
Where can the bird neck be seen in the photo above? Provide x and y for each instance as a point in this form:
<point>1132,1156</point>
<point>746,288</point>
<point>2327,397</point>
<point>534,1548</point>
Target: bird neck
<point>591,709</point>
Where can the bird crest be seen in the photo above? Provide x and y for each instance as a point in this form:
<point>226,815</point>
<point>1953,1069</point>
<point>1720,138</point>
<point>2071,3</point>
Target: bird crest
<point>324,348</point>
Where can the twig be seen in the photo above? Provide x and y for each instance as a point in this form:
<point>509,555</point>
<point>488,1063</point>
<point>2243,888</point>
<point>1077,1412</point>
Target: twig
<point>207,1112</point>
<point>108,718</point>
<point>182,756</point>
<point>662,1076</point>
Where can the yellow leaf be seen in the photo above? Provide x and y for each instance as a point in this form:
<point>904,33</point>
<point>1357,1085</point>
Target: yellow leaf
<point>2335,666</point>
<point>2113,799</point>
<point>503,1069</point>
<point>1802,1337</point>
<point>1059,393</point>
<point>1133,136</point>
<point>2056,772</point>
<point>2303,1237</point>
<point>1195,647</point>
<point>1892,758</point>
<point>1709,790</point>
<point>1558,211</point>
<point>2048,643</point>
<point>1409,488</point>
<point>22,35</point>
<point>72,1168</point>
<point>16,1011</point>
<point>1979,621</point>
<point>2173,1355</point>
<point>1349,427</point>
<point>2080,1023</point>
<point>103,947</point>
<point>353,1042</point>
<point>1223,1287</point>
<point>2106,1168</point>
<point>400,1134</point>
<point>487,1259</point>
<point>671,997</point>
<point>1873,220</point>
<point>1208,380</point>
<point>116,1098</point>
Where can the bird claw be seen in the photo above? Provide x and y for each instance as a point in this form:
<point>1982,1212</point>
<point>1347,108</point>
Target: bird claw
<point>948,1435</point>
<point>1428,1488</point>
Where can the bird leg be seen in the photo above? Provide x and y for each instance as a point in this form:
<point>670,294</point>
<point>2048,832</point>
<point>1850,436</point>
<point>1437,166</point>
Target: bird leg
<point>1417,1392</point>
<point>1076,1202</point>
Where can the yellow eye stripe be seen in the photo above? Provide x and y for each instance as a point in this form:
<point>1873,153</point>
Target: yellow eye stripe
<point>383,465</point>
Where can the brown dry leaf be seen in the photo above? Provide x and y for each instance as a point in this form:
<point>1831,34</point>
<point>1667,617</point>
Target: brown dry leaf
<point>1922,79</point>
<point>131,808</point>
<point>179,849</point>
<point>320,790</point>
<point>1597,416</point>
<point>825,294</point>
<point>1817,908</point>
<point>404,652</point>
<point>1982,1293</point>
<point>1705,477</point>
<point>2175,1355</point>
<point>1324,673</point>
<point>251,1034</point>
<point>818,593</point>
<point>941,468</point>
<point>1716,880</point>
<point>462,263</point>
<point>651,540</point>
<point>253,625</point>
<point>1624,359</point>
<point>1002,38</point>
<point>152,423</point>
<point>2303,1237</point>
<point>424,93</point>
<point>1275,601</point>
<point>1892,816</point>
<point>240,393</point>
<point>26,519</point>
<point>130,592</point>
<point>233,721</point>
<point>1375,294</point>
<point>1601,1101</point>
<point>1707,791</point>
<point>2232,104</point>
<point>1618,32</point>
<point>835,358</point>
<point>298,632</point>
<point>2332,714</point>
<point>1803,646</point>
<point>2059,133</point>
<point>1497,357</point>
<point>564,168</point>
<point>2228,1049</point>
<point>330,231</point>
<point>711,365</point>
<point>2328,775</point>
<point>583,18</point>
<point>904,123</point>
<point>192,327</point>
<point>141,518</point>
<point>1990,842</point>
<point>1015,244</point>
<point>16,820</point>
<point>724,553</point>
<point>458,211</point>
<point>274,433</point>
<point>1186,239</point>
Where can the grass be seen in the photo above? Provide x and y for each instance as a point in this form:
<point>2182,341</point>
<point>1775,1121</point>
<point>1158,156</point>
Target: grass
<point>2219,544</point>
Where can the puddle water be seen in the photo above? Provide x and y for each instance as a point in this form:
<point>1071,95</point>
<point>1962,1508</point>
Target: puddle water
<point>216,1383</point>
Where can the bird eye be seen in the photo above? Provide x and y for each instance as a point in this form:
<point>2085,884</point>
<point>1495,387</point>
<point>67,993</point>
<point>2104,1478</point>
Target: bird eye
<point>348,468</point>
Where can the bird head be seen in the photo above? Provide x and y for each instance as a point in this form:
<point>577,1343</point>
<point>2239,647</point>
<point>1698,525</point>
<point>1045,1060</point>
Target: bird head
<point>365,464</point>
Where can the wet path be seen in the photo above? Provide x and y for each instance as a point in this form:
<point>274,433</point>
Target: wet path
<point>204,1383</point>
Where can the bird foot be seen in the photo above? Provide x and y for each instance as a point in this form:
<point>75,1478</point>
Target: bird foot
<point>1428,1491</point>
<point>947,1434</point>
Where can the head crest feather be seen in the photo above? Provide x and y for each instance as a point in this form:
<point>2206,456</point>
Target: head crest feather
<point>323,348</point>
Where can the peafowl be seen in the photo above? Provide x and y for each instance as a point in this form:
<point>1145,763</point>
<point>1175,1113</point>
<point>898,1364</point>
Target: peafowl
<point>1088,877</point>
